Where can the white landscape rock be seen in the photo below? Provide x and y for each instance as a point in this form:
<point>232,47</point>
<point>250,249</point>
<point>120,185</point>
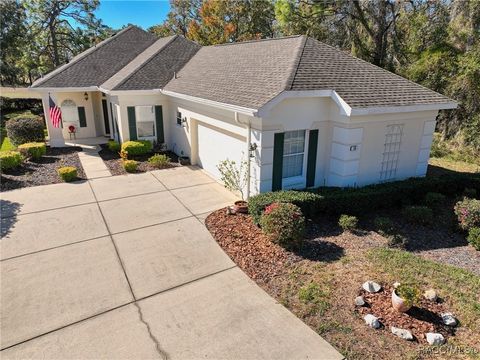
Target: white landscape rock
<point>359,301</point>
<point>430,295</point>
<point>435,338</point>
<point>372,321</point>
<point>371,286</point>
<point>402,333</point>
<point>449,319</point>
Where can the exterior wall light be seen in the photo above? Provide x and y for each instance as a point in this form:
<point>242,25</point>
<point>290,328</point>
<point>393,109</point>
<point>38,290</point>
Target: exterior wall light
<point>85,96</point>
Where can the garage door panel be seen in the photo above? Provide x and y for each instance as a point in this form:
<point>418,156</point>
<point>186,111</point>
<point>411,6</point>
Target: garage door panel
<point>216,145</point>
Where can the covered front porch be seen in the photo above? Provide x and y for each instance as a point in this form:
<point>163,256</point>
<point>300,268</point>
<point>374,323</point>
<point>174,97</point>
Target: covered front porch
<point>86,117</point>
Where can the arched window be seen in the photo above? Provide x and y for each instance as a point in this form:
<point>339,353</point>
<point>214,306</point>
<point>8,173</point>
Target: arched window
<point>69,113</point>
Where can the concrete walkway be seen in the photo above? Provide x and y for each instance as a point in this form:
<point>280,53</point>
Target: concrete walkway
<point>92,163</point>
<point>123,267</point>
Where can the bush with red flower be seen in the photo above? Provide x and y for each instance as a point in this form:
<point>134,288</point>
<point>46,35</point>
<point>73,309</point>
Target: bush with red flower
<point>468,213</point>
<point>284,223</point>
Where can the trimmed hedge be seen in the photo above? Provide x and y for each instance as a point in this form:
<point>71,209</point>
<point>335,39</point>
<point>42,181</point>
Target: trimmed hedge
<point>23,130</point>
<point>67,173</point>
<point>308,202</point>
<point>130,165</point>
<point>34,150</point>
<point>113,145</point>
<point>136,148</point>
<point>10,160</point>
<point>356,201</point>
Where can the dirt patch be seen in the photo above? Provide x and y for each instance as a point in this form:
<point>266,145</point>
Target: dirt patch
<point>420,319</point>
<point>114,163</point>
<point>43,171</point>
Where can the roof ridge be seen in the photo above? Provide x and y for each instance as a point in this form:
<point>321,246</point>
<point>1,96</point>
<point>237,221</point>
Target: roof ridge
<point>173,37</point>
<point>298,59</point>
<point>78,58</point>
<point>255,41</point>
<point>376,66</point>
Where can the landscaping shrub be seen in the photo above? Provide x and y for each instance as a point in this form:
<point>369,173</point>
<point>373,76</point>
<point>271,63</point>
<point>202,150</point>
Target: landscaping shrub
<point>434,200</point>
<point>356,201</point>
<point>418,215</point>
<point>284,223</point>
<point>409,293</point>
<point>113,145</point>
<point>468,213</point>
<point>67,173</point>
<point>159,160</point>
<point>470,193</point>
<point>130,165</point>
<point>23,130</point>
<point>348,222</point>
<point>308,202</point>
<point>34,150</point>
<point>136,148</point>
<point>474,237</point>
<point>10,159</point>
<point>396,240</point>
<point>384,225</point>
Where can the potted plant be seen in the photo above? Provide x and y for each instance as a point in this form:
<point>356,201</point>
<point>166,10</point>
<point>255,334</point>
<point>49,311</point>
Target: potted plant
<point>404,297</point>
<point>234,178</point>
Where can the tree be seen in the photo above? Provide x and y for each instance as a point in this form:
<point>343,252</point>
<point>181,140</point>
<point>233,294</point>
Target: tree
<point>182,13</point>
<point>12,39</point>
<point>50,21</point>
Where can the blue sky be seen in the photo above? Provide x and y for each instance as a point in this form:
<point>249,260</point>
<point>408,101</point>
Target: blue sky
<point>116,13</point>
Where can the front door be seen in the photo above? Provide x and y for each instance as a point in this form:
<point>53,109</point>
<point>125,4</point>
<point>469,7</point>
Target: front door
<point>105,117</point>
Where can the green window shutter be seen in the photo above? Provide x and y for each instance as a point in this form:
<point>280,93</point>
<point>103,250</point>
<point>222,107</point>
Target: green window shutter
<point>312,157</point>
<point>159,124</point>
<point>132,122</point>
<point>82,117</point>
<point>277,161</point>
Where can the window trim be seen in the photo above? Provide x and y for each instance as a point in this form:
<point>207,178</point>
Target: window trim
<point>137,120</point>
<point>295,180</point>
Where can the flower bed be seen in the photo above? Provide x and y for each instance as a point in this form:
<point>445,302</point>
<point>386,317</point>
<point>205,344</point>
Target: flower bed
<point>114,163</point>
<point>44,170</point>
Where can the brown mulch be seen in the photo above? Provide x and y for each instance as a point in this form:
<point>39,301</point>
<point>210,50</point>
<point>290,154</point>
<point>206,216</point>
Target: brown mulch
<point>247,245</point>
<point>419,320</point>
<point>43,171</point>
<point>114,163</point>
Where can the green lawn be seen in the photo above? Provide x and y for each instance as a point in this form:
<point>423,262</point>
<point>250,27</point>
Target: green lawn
<point>5,141</point>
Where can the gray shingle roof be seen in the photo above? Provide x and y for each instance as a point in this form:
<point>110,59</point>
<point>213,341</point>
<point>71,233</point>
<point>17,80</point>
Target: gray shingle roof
<point>157,70</point>
<point>250,74</point>
<point>246,74</point>
<point>358,82</point>
<point>94,66</point>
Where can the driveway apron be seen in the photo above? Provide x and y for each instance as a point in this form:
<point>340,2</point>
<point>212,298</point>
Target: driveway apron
<point>123,267</point>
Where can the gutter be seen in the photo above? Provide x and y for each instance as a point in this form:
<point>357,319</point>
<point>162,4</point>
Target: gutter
<point>248,126</point>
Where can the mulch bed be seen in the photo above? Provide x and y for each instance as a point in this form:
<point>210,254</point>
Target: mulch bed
<point>247,245</point>
<point>43,171</point>
<point>419,320</point>
<point>114,163</point>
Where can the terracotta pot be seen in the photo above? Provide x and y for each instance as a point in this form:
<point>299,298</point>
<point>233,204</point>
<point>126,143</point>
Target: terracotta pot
<point>241,206</point>
<point>399,303</point>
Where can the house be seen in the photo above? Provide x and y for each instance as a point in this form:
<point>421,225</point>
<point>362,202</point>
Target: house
<point>301,113</point>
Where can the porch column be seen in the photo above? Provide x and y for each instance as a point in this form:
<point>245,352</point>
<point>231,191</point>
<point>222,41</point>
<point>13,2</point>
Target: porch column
<point>55,135</point>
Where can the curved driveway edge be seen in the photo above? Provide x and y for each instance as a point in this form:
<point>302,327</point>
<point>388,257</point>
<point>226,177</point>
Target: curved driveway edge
<point>134,274</point>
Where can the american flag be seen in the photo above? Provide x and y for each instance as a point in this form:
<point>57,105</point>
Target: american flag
<point>55,113</point>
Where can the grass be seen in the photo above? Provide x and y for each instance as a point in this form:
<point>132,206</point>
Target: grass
<point>458,287</point>
<point>455,165</point>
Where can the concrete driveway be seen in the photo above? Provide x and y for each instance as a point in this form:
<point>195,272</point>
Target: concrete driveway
<point>123,268</point>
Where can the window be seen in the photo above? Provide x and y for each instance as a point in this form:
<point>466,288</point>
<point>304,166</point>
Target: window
<point>179,118</point>
<point>293,153</point>
<point>391,152</point>
<point>145,116</point>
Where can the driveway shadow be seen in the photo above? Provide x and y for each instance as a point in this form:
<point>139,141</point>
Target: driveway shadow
<point>9,216</point>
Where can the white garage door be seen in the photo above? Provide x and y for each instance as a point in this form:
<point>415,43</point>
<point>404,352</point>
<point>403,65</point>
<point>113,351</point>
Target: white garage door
<point>216,145</point>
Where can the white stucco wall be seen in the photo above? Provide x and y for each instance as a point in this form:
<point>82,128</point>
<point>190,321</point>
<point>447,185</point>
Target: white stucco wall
<point>78,97</point>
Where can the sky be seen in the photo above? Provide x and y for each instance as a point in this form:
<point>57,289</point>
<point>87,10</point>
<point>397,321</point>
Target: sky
<point>116,13</point>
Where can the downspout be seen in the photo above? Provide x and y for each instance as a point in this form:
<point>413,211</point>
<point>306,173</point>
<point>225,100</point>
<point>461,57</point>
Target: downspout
<point>249,140</point>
